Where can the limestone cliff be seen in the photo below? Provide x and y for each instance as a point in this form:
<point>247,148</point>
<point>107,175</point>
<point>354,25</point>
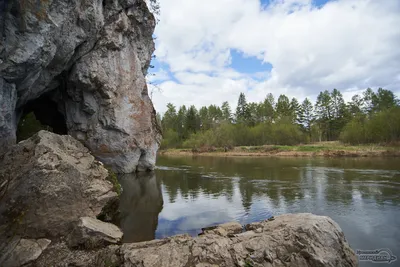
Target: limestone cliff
<point>80,66</point>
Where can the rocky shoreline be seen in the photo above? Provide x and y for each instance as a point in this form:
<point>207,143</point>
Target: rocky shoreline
<point>52,190</point>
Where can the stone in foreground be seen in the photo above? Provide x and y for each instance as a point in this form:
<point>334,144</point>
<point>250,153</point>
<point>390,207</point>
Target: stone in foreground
<point>298,240</point>
<point>91,233</point>
<point>23,251</point>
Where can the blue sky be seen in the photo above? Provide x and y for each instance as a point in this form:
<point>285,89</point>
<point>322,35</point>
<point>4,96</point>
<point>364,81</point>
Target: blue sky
<point>209,51</point>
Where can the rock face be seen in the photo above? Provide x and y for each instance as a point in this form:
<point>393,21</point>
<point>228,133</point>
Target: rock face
<point>80,66</point>
<point>46,183</point>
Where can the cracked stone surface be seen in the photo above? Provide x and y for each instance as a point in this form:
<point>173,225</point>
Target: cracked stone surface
<point>298,240</point>
<point>47,182</point>
<point>289,240</point>
<point>90,58</point>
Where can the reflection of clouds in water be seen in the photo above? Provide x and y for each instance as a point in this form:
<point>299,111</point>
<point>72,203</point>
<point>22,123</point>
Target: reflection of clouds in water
<point>166,168</point>
<point>189,215</point>
<point>200,220</point>
<point>183,207</point>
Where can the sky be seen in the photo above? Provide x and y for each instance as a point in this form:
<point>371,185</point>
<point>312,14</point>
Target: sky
<point>210,51</point>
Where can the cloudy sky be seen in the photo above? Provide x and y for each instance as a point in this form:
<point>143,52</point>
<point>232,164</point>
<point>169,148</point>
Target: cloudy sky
<point>208,51</point>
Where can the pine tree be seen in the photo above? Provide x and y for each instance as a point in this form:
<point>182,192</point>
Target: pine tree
<point>283,108</point>
<point>295,110</point>
<point>169,121</point>
<point>306,115</point>
<point>226,112</point>
<point>356,104</point>
<point>205,122</point>
<point>269,108</point>
<point>215,114</point>
<point>242,109</point>
<point>338,105</point>
<point>323,109</point>
<point>192,121</point>
<point>383,99</point>
<point>180,129</point>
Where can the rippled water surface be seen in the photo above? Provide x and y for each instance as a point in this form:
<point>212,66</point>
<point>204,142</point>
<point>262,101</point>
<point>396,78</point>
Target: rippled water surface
<point>185,194</point>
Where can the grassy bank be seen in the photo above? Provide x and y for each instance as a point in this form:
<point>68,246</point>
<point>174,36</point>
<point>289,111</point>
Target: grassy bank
<point>322,149</point>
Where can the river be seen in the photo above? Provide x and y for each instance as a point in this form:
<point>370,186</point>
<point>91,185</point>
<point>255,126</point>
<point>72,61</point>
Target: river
<point>185,194</point>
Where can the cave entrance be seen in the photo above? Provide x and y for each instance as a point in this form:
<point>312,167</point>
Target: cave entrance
<point>41,114</point>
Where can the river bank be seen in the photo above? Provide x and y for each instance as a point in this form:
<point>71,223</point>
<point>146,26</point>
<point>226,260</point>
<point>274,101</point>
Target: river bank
<point>323,149</point>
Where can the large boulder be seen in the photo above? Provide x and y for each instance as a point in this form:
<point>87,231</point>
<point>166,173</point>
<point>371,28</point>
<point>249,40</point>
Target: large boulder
<point>80,66</point>
<point>297,240</point>
<point>48,182</point>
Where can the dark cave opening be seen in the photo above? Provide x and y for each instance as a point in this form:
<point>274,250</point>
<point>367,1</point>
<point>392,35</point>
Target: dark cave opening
<point>41,114</point>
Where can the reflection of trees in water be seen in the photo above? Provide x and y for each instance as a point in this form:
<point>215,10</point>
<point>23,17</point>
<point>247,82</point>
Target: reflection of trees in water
<point>284,181</point>
<point>191,184</point>
<point>140,203</point>
<point>246,191</point>
<point>381,187</point>
<point>339,186</point>
<point>276,178</point>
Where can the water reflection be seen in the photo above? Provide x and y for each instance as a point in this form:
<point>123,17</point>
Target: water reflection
<point>140,203</point>
<point>362,195</point>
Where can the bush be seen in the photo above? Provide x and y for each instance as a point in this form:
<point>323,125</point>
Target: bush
<point>228,135</point>
<point>287,133</point>
<point>170,139</point>
<point>381,127</point>
<point>354,131</point>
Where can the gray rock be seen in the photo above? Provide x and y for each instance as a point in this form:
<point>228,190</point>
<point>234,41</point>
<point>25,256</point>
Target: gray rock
<point>297,240</point>
<point>225,229</point>
<point>290,240</point>
<point>23,251</point>
<point>91,233</point>
<point>60,255</point>
<point>8,121</point>
<point>90,58</point>
<point>47,182</point>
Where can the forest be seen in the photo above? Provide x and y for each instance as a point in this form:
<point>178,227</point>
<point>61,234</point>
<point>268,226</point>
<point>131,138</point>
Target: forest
<point>370,117</point>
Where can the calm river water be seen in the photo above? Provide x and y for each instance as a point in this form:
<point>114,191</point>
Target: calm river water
<point>185,194</point>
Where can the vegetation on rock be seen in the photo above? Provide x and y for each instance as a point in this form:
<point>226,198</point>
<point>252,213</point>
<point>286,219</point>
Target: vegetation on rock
<point>112,177</point>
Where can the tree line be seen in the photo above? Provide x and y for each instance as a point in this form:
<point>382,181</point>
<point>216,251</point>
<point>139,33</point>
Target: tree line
<point>371,117</point>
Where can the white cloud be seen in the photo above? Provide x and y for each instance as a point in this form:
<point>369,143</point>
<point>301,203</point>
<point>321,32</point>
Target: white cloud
<point>346,44</point>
